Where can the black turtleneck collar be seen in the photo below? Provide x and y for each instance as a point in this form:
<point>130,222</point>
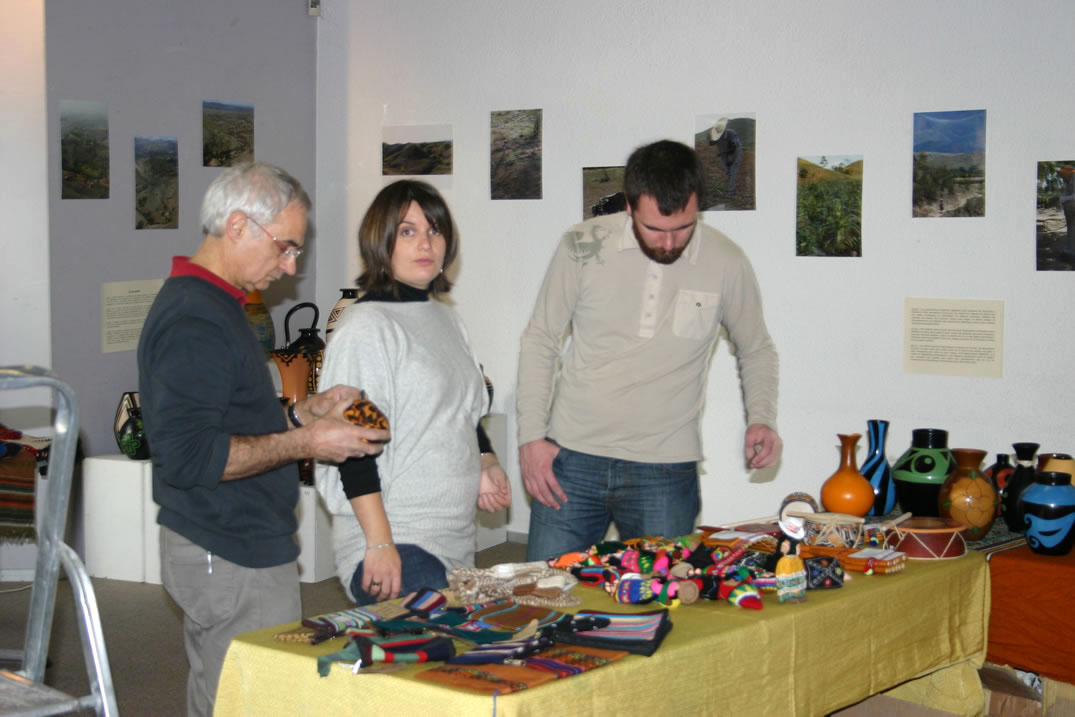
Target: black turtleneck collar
<point>406,293</point>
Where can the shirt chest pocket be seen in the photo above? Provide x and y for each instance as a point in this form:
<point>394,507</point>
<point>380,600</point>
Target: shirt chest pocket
<point>696,314</point>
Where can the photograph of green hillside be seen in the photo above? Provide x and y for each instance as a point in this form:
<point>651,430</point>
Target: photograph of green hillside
<point>949,164</point>
<point>725,143</point>
<point>417,150</point>
<point>156,183</point>
<point>515,154</point>
<point>1056,216</point>
<point>227,133</point>
<point>602,191</point>
<point>83,150</point>
<point>828,215</point>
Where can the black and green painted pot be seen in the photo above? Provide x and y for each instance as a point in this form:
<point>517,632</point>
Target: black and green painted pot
<point>921,471</point>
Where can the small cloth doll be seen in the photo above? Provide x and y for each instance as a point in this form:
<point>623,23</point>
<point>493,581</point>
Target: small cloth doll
<point>790,572</point>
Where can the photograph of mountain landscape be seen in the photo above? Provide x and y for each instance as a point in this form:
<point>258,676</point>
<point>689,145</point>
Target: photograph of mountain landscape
<point>602,191</point>
<point>828,215</point>
<point>156,183</point>
<point>515,154</point>
<point>227,133</point>
<point>1056,216</point>
<point>417,150</point>
<point>949,164</point>
<point>725,144</point>
<point>83,150</point>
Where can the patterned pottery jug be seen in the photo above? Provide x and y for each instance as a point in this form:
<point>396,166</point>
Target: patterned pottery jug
<point>877,470</point>
<point>846,490</point>
<point>967,496</point>
<point>128,428</point>
<point>921,471</point>
<point>348,298</point>
<point>308,343</point>
<point>1049,512</point>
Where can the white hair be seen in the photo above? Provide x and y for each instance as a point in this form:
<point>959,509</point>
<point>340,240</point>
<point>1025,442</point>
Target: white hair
<point>257,189</point>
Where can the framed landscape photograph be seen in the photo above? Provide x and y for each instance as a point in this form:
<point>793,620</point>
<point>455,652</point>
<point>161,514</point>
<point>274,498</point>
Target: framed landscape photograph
<point>949,164</point>
<point>83,150</point>
<point>156,183</point>
<point>227,133</point>
<point>515,154</point>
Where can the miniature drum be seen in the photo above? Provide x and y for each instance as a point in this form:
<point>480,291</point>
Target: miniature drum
<point>837,530</point>
<point>926,538</point>
<point>793,525</point>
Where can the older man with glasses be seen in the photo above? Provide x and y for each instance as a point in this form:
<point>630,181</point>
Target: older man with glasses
<point>224,455</point>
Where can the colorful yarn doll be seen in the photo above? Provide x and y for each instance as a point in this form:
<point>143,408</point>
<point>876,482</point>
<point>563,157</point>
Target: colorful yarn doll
<point>790,573</point>
<point>631,589</point>
<point>739,592</point>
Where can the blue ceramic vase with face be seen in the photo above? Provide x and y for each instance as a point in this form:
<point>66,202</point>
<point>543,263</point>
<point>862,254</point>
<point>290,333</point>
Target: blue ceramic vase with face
<point>1048,509</point>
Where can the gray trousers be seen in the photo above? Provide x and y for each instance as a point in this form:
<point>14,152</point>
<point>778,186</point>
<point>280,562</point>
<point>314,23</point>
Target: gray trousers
<point>220,600</point>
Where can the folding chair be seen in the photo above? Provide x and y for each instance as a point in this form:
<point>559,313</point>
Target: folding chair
<point>23,692</point>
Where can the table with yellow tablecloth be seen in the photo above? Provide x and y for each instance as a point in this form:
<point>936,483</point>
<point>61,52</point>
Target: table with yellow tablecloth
<point>837,648</point>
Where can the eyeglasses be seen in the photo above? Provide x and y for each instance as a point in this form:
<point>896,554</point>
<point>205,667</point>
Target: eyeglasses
<point>290,252</point>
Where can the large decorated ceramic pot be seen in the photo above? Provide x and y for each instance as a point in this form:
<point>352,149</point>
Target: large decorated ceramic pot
<point>1049,512</point>
<point>921,471</point>
<point>967,496</point>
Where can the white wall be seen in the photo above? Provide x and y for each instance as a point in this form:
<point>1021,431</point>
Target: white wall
<point>24,291</point>
<point>823,77</point>
<point>24,288</point>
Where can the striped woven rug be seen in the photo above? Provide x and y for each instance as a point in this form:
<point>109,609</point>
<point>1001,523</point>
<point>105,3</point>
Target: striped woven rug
<point>17,494</point>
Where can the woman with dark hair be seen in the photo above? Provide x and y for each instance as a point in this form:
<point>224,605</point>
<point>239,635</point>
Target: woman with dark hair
<point>401,521</point>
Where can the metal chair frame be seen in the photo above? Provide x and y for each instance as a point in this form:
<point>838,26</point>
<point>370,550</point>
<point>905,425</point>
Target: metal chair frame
<point>52,552</point>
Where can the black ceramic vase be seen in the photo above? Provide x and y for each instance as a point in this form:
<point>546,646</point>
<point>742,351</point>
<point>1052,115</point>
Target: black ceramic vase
<point>1049,510</point>
<point>1020,479</point>
<point>921,471</point>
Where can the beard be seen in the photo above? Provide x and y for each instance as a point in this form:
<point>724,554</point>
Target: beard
<point>661,256</point>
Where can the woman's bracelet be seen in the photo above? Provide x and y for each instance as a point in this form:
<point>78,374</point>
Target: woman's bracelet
<point>378,547</point>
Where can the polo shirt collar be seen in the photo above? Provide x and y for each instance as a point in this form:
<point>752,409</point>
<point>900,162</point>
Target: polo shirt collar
<point>183,266</point>
<point>628,241</point>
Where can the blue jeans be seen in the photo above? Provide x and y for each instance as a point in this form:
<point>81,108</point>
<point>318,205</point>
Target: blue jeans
<point>658,499</point>
<point>420,570</point>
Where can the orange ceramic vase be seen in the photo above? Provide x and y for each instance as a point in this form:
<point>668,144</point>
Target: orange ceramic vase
<point>846,490</point>
<point>967,496</point>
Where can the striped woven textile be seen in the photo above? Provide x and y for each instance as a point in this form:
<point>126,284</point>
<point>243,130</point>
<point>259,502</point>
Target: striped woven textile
<point>17,495</point>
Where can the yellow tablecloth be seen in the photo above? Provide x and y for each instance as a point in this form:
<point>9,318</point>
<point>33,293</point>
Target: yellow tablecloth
<point>812,658</point>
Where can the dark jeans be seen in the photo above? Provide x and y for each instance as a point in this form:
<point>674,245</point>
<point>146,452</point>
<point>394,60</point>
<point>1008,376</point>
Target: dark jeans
<point>420,570</point>
<point>658,499</point>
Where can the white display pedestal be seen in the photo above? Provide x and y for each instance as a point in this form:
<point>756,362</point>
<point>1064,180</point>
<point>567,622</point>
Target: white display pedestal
<point>119,519</point>
<point>122,538</point>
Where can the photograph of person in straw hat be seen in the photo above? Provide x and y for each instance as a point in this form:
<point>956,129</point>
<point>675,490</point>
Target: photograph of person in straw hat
<point>725,144</point>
